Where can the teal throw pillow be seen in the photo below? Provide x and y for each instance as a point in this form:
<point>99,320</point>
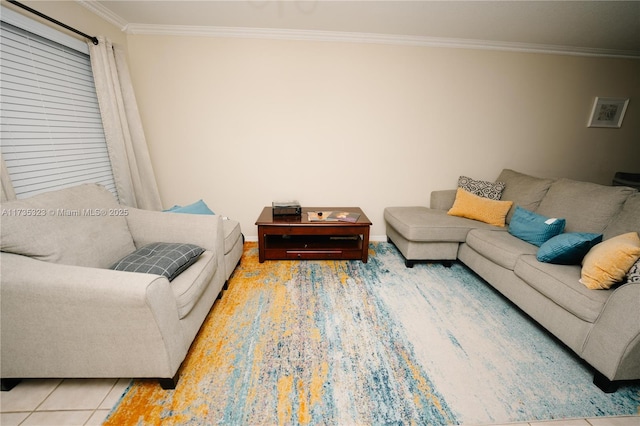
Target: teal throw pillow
<point>568,249</point>
<point>534,228</point>
<point>199,207</point>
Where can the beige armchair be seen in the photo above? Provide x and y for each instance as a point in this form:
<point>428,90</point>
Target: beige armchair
<point>65,314</point>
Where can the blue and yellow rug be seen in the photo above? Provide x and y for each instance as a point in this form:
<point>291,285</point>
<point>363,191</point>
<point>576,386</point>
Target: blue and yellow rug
<point>347,343</point>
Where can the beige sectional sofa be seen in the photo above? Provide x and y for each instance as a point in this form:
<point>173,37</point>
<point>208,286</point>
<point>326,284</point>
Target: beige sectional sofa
<point>600,326</point>
<point>66,314</point>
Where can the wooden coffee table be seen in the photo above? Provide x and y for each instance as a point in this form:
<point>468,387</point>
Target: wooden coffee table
<point>295,237</point>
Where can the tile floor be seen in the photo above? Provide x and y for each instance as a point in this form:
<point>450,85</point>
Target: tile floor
<point>60,402</point>
<point>89,401</point>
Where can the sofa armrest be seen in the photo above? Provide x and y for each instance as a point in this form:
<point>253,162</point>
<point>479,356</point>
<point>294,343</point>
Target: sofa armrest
<point>206,231</point>
<point>442,199</point>
<point>70,321</point>
<point>148,227</point>
<point>613,345</point>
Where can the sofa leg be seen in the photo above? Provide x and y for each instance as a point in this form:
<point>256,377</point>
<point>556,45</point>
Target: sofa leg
<point>226,285</point>
<point>409,263</point>
<point>8,384</point>
<point>169,384</point>
<point>447,263</point>
<point>605,385</point>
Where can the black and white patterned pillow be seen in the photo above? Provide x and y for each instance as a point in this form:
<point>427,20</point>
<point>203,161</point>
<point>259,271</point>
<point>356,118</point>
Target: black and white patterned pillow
<point>633,276</point>
<point>481,188</point>
<point>168,259</point>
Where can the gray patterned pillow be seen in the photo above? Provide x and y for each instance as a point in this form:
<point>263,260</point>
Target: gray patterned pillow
<point>481,188</point>
<point>168,259</point>
<point>633,276</point>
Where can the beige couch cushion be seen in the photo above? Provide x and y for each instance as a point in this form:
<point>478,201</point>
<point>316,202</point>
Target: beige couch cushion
<point>627,220</point>
<point>425,224</point>
<point>191,283</point>
<point>499,246</point>
<point>524,190</point>
<point>81,225</point>
<point>587,207</point>
<point>560,283</point>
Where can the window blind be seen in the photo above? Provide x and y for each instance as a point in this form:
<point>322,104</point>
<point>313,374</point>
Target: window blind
<point>51,130</point>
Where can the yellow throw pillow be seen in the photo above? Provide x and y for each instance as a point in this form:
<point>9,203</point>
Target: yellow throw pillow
<point>483,209</point>
<point>608,262</point>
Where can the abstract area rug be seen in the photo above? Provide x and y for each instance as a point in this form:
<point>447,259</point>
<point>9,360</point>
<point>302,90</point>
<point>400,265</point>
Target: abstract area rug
<point>347,343</point>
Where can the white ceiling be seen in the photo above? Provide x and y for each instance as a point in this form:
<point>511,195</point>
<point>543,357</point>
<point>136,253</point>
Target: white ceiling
<point>583,27</point>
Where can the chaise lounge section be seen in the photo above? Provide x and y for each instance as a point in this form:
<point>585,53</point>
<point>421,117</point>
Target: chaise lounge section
<point>601,326</point>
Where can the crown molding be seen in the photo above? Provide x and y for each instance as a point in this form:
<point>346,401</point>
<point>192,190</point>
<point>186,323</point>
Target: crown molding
<point>104,13</point>
<point>348,37</point>
<point>336,36</point>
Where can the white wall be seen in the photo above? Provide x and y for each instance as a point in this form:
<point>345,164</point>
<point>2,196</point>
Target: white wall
<point>242,122</point>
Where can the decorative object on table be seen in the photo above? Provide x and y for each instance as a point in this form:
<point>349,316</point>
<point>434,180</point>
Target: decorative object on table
<point>286,208</point>
<point>331,216</point>
<point>319,216</point>
<point>608,112</point>
<point>350,217</point>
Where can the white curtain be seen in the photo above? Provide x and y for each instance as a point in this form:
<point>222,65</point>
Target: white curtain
<point>6,188</point>
<point>128,152</point>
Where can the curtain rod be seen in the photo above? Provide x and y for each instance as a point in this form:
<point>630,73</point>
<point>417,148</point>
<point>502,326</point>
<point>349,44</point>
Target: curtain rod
<point>94,40</point>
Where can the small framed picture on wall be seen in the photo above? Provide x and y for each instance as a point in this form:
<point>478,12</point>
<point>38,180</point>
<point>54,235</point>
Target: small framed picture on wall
<point>608,112</point>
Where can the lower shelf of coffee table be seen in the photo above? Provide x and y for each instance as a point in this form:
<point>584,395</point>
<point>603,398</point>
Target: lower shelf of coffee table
<point>283,247</point>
